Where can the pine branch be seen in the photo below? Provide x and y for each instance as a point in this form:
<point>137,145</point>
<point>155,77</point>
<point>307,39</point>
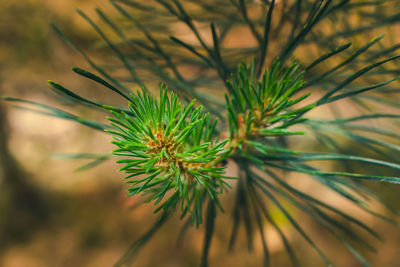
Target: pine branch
<point>175,153</point>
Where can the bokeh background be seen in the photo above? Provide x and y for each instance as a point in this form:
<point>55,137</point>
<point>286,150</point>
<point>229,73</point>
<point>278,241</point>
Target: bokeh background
<point>53,215</point>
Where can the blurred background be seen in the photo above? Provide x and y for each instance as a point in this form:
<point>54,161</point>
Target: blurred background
<point>53,215</point>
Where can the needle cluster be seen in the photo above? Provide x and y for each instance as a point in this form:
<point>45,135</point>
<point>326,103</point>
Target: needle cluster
<point>168,147</point>
<point>264,108</point>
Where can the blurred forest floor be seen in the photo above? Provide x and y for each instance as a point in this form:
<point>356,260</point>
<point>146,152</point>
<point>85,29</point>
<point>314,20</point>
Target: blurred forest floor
<point>53,216</point>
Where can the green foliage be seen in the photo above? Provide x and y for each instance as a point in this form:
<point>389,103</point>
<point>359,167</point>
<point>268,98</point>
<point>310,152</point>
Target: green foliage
<point>172,151</point>
<point>264,108</point>
<point>173,147</point>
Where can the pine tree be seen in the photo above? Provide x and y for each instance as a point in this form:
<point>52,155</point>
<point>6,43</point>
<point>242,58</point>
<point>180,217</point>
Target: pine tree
<point>220,106</point>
